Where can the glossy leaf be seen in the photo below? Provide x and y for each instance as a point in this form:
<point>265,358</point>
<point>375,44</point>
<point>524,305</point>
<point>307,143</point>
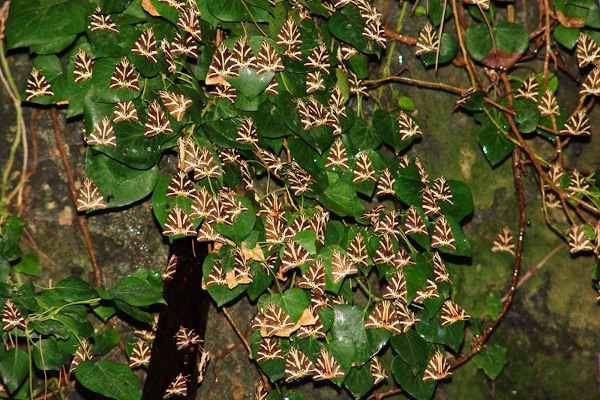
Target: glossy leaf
<point>112,380</point>
<point>413,384</point>
<point>491,360</point>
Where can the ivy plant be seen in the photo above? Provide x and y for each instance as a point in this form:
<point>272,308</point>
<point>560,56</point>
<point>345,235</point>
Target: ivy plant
<point>304,190</point>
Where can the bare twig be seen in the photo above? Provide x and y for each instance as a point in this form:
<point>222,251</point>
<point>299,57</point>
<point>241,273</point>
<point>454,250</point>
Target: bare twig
<point>80,218</point>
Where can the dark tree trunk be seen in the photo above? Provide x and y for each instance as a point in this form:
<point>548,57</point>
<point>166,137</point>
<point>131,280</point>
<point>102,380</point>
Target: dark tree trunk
<point>187,305</point>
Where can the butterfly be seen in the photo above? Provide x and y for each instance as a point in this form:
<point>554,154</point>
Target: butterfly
<point>222,65</point>
<point>177,387</point>
<point>441,190</point>
<point>384,316</point>
<point>90,197</point>
<point>242,56</point>
<point>428,40</point>
<point>452,312</point>
<point>385,250</point>
<point>341,266</point>
<point>268,59</point>
<point>327,367</point>
<point>377,371</point>
<point>442,235</point>
<point>578,241</point>
<point>176,103</point>
<point>430,292</point>
<point>178,223</point>
<point>103,134</point>
<point>314,82</point>
<point>528,89</point>
<point>247,132</point>
<point>37,85</point>
<point>145,46</point>
<point>140,354</point>
<point>125,111</point>
<point>437,368</point>
<point>181,186</point>
<point>336,102</point>
<point>357,251</point>
<point>386,183</point>
<point>504,242</point>
<point>414,222</point>
<point>167,49</point>
<point>124,76</point>
<point>294,255</point>
<point>314,278</point>
<point>216,276</point>
<point>84,352</point>
<point>577,124</point>
<point>202,361</point>
<point>269,350</point>
<point>277,322</point>
<point>99,22</point>
<point>439,269</point>
<point>289,36</point>
<point>396,288</point>
<point>319,59</point>
<point>184,46</point>
<point>363,169</point>
<point>171,268</point>
<point>587,50</point>
<point>297,365</point>
<point>82,69</point>
<point>317,330</point>
<point>548,104</point>
<point>189,22</point>
<point>186,337</point>
<point>405,316</point>
<point>11,317</point>
<point>156,121</point>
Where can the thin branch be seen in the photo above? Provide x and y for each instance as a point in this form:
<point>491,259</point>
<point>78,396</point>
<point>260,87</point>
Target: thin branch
<point>478,342</point>
<point>80,218</point>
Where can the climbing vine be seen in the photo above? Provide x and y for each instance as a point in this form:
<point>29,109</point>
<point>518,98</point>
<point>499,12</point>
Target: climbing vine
<point>291,162</point>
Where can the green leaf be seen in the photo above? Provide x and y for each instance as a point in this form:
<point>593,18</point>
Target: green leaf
<point>527,119</point>
<point>474,102</point>
<point>412,348</point>
<point>510,41</point>
<point>438,9</point>
<point>29,264</point>
<point>491,360</point>
<point>75,289</point>
<point>294,301</point>
<point>104,312</point>
<point>340,197</point>
<point>261,280</point>
<point>35,22</point>
<point>243,224</point>
<point>275,369</point>
<point>119,184</point>
<point>462,198</point>
<point>75,318</point>
<point>448,49</point>
<point>413,384</point>
<point>100,90</point>
<point>112,380</point>
<point>52,327</point>
<point>494,305</point>
<point>133,311</point>
<point>566,36</point>
<point>14,368</point>
<point>249,83</point>
<point>359,381</point>
<point>235,11</point>
<point>494,145</point>
<point>105,341</point>
<point>349,338</point>
<point>47,355</point>
<point>433,331</point>
<point>364,137</point>
<point>133,291</point>
<point>346,24</point>
<point>220,293</point>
